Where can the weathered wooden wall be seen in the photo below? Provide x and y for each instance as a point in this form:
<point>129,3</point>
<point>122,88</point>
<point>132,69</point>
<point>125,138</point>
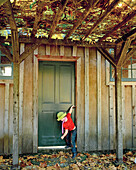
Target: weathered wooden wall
<point>95,100</point>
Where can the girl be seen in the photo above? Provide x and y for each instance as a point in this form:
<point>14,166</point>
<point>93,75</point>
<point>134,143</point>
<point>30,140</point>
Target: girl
<point>69,126</point>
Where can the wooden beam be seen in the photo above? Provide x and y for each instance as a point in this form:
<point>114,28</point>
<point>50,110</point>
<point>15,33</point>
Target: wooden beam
<point>56,58</point>
<point>15,46</point>
<point>81,19</point>
<point>77,43</point>
<point>130,54</point>
<point>28,51</point>
<point>125,20</point>
<point>118,103</point>
<point>6,51</point>
<point>128,35</point>
<point>16,114</point>
<point>107,55</point>
<point>87,125</point>
<point>123,52</point>
<point>123,116</point>
<point>102,17</point>
<point>57,17</point>
<point>38,16</point>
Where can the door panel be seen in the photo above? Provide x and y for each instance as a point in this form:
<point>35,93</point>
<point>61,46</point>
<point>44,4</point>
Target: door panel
<point>56,93</point>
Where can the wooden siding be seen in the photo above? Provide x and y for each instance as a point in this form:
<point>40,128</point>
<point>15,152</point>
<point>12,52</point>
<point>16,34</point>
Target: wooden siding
<point>95,101</point>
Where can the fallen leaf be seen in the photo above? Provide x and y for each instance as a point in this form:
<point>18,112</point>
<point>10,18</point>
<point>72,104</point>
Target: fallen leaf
<point>133,167</point>
<point>74,167</point>
<point>43,164</point>
<point>1,158</point>
<point>129,153</point>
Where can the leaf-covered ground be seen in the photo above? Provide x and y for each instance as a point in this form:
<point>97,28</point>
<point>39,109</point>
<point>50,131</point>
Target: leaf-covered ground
<point>63,160</point>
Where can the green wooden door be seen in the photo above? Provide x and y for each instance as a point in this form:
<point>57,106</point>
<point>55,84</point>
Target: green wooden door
<point>56,93</point>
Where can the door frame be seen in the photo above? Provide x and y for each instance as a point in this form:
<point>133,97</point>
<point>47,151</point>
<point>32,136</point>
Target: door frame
<point>37,58</point>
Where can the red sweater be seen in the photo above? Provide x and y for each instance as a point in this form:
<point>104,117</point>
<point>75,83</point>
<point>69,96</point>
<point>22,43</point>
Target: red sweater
<point>69,123</point>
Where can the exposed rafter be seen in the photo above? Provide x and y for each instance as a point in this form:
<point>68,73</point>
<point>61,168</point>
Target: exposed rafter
<point>126,19</point>
<point>38,16</point>
<point>107,55</point>
<point>82,18</point>
<point>57,17</point>
<point>102,17</point>
<point>123,52</point>
<point>124,37</point>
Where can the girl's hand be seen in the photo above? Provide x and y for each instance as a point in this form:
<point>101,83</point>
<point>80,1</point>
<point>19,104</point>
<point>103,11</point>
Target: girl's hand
<point>62,137</point>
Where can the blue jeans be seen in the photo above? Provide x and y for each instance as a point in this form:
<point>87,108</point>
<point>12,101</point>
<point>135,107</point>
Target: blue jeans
<point>71,139</point>
<point>73,136</point>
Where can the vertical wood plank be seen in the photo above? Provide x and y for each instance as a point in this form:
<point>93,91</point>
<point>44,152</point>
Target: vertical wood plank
<point>92,99</point>
<point>118,103</point>
<point>2,110</point>
<point>47,50</point>
<point>21,92</point>
<point>134,116</point>
<point>111,119</point>
<point>107,72</point>
<point>74,51</point>
<point>28,106</point>
<point>123,116</point>
<point>35,103</point>
<point>6,119</point>
<point>87,99</point>
<point>128,117</point>
<point>61,50</point>
<point>78,94</point>
<point>99,100</point>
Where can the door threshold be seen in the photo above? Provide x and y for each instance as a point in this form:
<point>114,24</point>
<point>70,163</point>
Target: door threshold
<point>50,147</point>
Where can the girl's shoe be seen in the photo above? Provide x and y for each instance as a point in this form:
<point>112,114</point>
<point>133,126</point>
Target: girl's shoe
<point>67,147</point>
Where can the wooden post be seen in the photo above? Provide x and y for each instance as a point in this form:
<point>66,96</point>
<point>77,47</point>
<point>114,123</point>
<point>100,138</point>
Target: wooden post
<point>123,116</point>
<point>6,119</point>
<point>15,113</point>
<point>118,102</point>
<point>111,118</point>
<point>98,101</point>
<point>86,99</point>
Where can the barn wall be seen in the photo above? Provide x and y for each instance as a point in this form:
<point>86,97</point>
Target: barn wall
<point>95,121</point>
